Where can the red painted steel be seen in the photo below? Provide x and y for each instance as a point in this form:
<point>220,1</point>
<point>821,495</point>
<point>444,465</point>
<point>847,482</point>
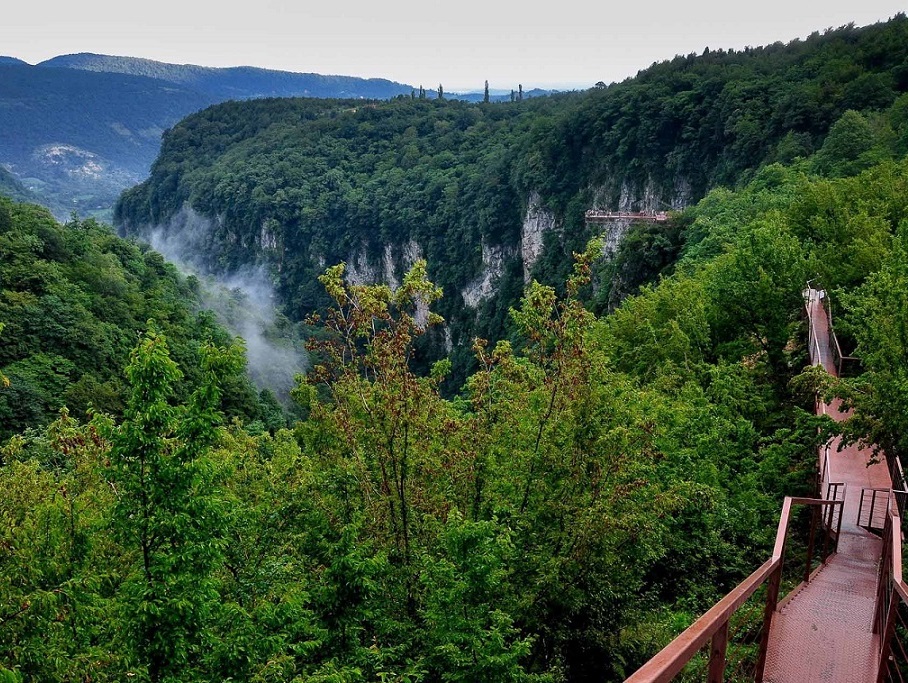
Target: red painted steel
<point>674,657</point>
<point>825,632</point>
<point>824,629</point>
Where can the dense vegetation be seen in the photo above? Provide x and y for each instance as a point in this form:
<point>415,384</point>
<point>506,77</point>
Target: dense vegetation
<point>73,298</point>
<point>298,184</point>
<point>596,482</point>
<point>76,138</point>
<point>12,188</point>
<point>580,501</point>
<point>588,492</point>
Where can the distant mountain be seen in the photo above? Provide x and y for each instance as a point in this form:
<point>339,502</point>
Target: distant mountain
<point>241,82</point>
<point>78,129</point>
<point>77,139</point>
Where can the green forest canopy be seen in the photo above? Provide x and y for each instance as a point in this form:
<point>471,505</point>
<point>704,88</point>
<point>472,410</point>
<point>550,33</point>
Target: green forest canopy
<point>587,494</point>
<point>298,184</point>
<point>73,298</point>
<point>598,481</point>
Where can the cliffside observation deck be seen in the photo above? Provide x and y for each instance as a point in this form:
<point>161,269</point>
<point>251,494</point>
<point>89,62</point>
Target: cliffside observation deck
<point>597,216</point>
<point>844,614</point>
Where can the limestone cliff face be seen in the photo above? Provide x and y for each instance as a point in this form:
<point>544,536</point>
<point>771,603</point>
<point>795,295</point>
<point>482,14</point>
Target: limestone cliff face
<point>360,270</point>
<point>484,287</point>
<point>635,197</point>
<point>619,194</point>
<point>364,267</point>
<point>268,245</point>
<point>540,220</point>
<point>537,221</point>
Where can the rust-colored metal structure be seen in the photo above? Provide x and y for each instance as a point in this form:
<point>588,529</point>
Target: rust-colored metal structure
<point>845,617</point>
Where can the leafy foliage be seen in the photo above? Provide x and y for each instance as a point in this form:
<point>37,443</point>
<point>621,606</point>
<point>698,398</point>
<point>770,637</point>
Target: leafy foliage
<point>73,299</point>
<point>596,483</point>
<point>592,488</point>
<point>296,184</point>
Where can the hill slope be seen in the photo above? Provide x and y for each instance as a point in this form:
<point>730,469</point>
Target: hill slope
<point>494,194</point>
<point>72,299</point>
<point>12,188</point>
<point>76,139</point>
<point>77,130</point>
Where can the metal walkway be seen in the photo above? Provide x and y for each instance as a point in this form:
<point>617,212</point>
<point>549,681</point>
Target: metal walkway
<point>825,632</point>
<point>849,616</point>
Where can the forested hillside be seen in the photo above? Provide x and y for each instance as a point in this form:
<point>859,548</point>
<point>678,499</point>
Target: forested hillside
<point>592,488</point>
<point>492,194</point>
<point>73,299</point>
<point>78,138</point>
<point>587,471</point>
<point>12,188</point>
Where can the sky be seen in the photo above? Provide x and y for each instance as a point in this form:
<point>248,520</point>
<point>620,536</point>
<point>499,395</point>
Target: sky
<point>460,44</point>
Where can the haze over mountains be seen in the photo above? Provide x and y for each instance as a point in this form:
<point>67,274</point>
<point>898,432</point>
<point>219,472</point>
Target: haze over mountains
<point>494,196</point>
<point>540,477</point>
<point>78,129</point>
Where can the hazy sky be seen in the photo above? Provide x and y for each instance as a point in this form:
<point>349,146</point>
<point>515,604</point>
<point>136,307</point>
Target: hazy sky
<point>460,43</point>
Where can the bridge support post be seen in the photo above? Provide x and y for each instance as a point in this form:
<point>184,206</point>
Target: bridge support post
<point>718,648</point>
<point>886,638</point>
<point>813,534</point>
<point>772,601</point>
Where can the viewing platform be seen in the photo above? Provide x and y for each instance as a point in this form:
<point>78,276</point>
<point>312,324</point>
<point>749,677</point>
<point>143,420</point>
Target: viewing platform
<point>597,216</point>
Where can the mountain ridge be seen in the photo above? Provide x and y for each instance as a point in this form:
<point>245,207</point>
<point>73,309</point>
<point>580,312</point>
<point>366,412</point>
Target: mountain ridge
<point>493,196</point>
<point>79,129</point>
<point>242,81</point>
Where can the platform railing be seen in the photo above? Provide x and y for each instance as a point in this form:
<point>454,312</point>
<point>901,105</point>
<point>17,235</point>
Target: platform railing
<point>725,635</point>
<point>844,364</point>
<point>832,515</point>
<point>826,487</point>
<point>897,477</point>
<point>813,343</point>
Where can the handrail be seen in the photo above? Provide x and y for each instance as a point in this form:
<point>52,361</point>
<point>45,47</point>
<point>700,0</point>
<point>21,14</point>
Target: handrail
<point>870,512</point>
<point>891,593</point>
<point>669,662</point>
<point>813,342</point>
<point>713,625</point>
<point>598,214</point>
<point>838,357</point>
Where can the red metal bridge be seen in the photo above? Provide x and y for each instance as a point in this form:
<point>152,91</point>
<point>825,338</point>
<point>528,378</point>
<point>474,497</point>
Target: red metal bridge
<point>837,561</point>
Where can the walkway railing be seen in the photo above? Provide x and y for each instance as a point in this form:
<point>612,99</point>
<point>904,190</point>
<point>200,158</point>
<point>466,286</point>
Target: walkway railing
<point>891,613</point>
<point>813,343</point>
<point>873,507</point>
<point>717,639</point>
<point>845,365</point>
<point>598,216</point>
